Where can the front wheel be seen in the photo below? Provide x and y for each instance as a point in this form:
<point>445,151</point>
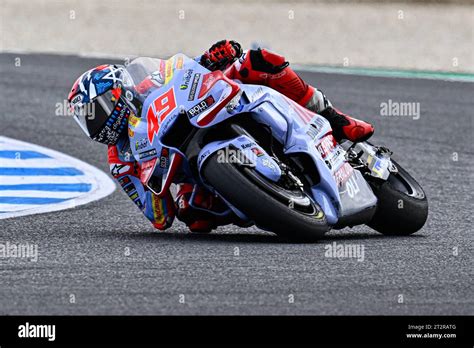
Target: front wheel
<point>288,213</point>
<point>402,206</point>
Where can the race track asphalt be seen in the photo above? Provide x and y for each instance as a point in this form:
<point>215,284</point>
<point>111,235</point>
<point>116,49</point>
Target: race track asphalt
<point>84,251</point>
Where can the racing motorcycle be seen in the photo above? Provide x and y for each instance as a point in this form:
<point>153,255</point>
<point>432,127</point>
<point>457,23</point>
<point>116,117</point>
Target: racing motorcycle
<point>274,163</point>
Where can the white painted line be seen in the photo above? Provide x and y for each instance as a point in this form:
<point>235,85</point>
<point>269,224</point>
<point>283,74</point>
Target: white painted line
<point>4,179</point>
<point>14,207</point>
<point>20,202</point>
<point>31,193</point>
<point>44,163</point>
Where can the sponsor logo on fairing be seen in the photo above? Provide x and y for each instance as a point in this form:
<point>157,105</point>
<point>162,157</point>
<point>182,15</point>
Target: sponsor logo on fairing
<point>179,62</point>
<point>269,164</point>
<point>258,152</point>
<point>169,70</point>
<point>208,81</point>
<point>315,127</point>
<point>201,107</point>
<point>352,187</point>
<point>186,79</point>
<point>164,158</point>
<point>141,144</point>
<point>343,173</point>
<point>193,89</point>
<point>147,154</point>
<point>326,146</point>
<point>245,146</point>
<point>204,155</point>
<point>377,168</point>
<point>257,94</point>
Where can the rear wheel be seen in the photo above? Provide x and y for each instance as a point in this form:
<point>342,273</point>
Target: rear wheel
<point>402,207</point>
<point>288,212</point>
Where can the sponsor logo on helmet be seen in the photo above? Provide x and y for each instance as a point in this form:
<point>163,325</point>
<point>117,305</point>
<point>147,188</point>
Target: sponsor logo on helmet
<point>129,95</point>
<point>77,100</point>
<point>115,125</point>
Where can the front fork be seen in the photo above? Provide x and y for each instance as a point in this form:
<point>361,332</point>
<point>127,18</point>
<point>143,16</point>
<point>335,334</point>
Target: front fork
<point>370,159</point>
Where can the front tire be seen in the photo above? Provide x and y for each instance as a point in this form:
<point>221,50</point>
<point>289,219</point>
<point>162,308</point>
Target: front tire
<point>402,207</point>
<point>252,194</point>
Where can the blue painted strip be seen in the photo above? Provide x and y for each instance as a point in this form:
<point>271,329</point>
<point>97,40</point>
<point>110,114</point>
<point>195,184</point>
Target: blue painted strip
<point>62,171</point>
<point>22,155</point>
<point>49,187</point>
<point>31,200</point>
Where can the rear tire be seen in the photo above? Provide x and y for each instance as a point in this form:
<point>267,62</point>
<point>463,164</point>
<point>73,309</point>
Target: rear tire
<point>402,207</point>
<point>238,186</point>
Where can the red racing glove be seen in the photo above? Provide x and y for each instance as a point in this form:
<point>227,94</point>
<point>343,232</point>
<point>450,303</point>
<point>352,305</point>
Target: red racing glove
<point>221,55</point>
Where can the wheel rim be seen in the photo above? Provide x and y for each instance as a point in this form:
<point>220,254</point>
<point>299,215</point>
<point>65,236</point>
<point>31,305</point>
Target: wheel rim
<point>405,183</point>
<point>295,199</point>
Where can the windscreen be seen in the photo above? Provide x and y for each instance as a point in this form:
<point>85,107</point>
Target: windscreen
<point>145,74</point>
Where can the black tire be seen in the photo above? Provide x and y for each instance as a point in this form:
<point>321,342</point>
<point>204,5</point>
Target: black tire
<point>240,186</point>
<point>402,207</point>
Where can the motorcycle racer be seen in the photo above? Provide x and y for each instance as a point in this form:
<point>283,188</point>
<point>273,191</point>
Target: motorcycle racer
<point>270,69</point>
<point>117,103</point>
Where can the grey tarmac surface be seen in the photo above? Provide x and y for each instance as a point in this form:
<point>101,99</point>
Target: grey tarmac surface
<point>82,251</point>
